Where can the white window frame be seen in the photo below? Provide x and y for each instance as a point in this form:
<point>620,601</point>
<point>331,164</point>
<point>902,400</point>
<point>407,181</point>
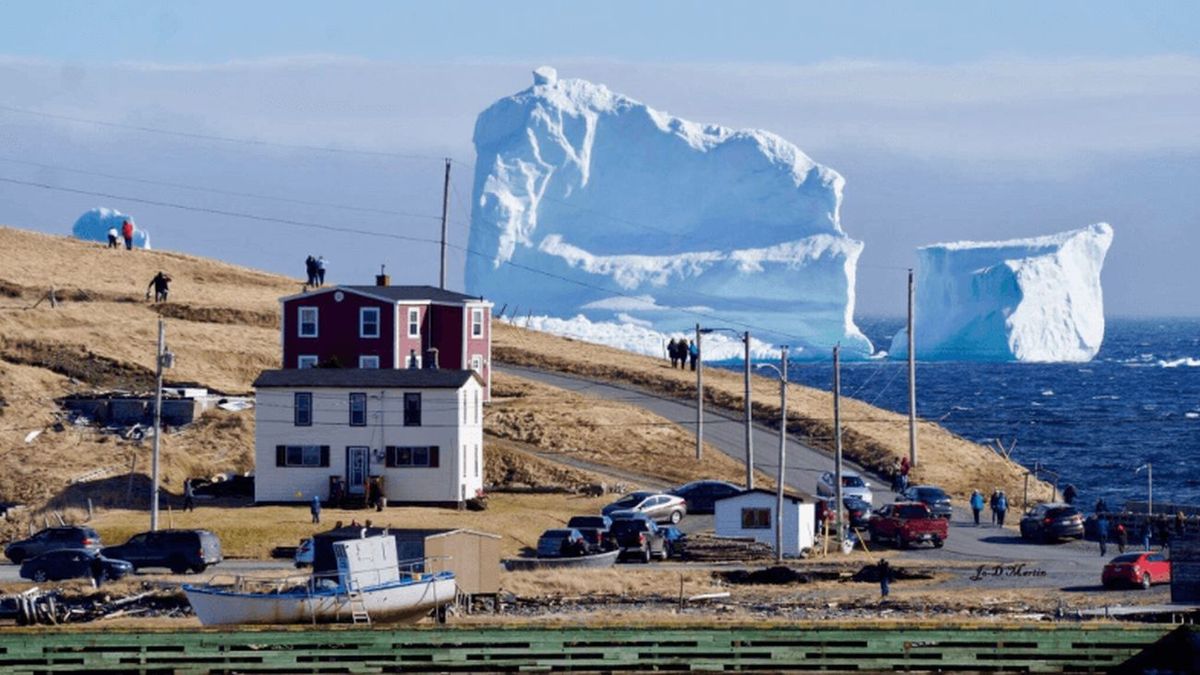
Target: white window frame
<point>365,359</point>
<point>310,359</point>
<point>476,322</point>
<point>316,322</point>
<point>414,322</point>
<point>362,315</point>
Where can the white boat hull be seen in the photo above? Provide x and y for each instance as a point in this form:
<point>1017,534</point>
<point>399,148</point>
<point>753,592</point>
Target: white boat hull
<point>406,601</point>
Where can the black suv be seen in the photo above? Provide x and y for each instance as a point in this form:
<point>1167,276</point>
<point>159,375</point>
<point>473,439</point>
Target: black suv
<point>178,550</point>
<point>53,539</point>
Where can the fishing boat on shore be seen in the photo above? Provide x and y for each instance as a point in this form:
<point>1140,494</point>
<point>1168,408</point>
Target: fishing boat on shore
<point>369,585</point>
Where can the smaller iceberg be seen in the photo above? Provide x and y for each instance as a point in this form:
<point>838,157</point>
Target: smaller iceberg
<point>1036,300</point>
<point>94,225</point>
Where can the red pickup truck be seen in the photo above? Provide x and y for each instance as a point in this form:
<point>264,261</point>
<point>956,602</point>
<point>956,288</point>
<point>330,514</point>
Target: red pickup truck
<point>906,523</point>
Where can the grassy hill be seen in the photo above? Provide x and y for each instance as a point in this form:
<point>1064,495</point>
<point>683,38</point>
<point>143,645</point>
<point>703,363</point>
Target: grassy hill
<point>223,327</point>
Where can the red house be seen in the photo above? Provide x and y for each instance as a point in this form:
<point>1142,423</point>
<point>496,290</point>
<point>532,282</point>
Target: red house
<point>386,326</point>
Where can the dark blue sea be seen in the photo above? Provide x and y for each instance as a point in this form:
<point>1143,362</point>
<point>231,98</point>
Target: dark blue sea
<point>1093,423</point>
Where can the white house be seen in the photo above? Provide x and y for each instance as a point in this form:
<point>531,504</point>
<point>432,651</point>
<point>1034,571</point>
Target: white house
<point>421,430</point>
<point>751,514</point>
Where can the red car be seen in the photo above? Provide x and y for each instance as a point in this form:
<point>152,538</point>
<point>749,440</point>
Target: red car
<point>1137,569</point>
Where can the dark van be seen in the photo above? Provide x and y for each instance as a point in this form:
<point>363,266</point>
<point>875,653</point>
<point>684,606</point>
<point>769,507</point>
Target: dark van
<point>177,550</point>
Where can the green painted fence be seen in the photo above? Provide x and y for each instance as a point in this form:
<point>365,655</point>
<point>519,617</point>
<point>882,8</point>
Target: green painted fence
<point>843,648</point>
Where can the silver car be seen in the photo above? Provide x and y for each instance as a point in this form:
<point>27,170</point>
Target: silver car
<point>655,506</point>
<point>853,485</point>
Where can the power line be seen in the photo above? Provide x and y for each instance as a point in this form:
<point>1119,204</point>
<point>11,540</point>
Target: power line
<point>221,139</point>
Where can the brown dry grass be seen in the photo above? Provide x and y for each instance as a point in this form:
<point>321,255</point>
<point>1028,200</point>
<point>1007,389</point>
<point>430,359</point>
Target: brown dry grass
<point>871,436</point>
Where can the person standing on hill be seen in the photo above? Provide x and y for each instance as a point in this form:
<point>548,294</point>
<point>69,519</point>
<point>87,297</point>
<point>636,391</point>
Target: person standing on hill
<point>127,233</point>
<point>976,505</point>
<point>161,284</point>
<point>321,270</point>
<point>673,353</point>
<point>112,237</point>
<point>1001,508</point>
<point>310,269</point>
<point>693,353</point>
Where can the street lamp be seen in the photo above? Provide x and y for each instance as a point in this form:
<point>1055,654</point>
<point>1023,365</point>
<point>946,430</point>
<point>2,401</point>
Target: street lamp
<point>745,337</point>
<point>1149,486</point>
<point>782,373</point>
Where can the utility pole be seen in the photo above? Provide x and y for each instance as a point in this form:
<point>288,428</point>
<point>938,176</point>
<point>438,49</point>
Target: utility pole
<point>749,417</point>
<point>699,397</point>
<point>160,360</point>
<point>912,379</point>
<point>782,453</point>
<point>445,211</point>
<point>837,438</point>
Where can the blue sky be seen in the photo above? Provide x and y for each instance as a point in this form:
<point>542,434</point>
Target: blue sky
<point>949,120</point>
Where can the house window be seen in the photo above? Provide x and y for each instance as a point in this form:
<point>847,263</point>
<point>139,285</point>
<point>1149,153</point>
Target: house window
<point>302,455</point>
<point>477,363</point>
<point>368,362</point>
<point>756,519</point>
<point>306,361</point>
<point>414,322</point>
<point>302,414</point>
<point>368,322</point>
<point>412,410</point>
<point>308,322</point>
<point>358,410</point>
<point>421,456</point>
<point>477,323</point>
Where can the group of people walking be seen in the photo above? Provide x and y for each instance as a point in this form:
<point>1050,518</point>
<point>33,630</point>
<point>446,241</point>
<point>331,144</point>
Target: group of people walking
<point>998,503</point>
<point>315,269</point>
<point>125,233</point>
<point>682,352</point>
<point>1152,528</point>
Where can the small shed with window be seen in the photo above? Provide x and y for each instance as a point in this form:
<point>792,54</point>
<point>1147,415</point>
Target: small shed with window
<point>414,434</point>
<point>751,515</point>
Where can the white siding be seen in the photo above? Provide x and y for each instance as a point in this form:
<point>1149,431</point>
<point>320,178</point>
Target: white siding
<point>441,425</point>
<point>798,525</point>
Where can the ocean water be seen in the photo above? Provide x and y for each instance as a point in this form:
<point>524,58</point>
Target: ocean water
<point>1093,424</point>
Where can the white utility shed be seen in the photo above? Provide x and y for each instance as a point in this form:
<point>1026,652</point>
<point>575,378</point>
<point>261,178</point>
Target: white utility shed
<point>751,514</point>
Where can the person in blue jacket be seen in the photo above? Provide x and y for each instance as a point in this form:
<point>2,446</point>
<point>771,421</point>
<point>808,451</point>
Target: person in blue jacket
<point>1001,508</point>
<point>976,504</point>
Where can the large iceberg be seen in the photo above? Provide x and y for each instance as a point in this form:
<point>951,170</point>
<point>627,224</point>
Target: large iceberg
<point>93,225</point>
<point>589,202</point>
<point>1021,300</point>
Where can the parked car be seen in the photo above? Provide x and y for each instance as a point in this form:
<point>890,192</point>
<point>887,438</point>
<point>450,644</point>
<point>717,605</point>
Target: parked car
<point>673,537</point>
<point>1137,569</point>
<point>304,553</point>
<point>596,530</point>
<point>640,538</point>
<point>178,550</point>
<point>908,523</point>
<point>53,539</point>
<point>857,512</point>
<point>562,543</point>
<point>72,563</point>
<point>853,485</point>
<point>1051,522</point>
<point>934,497</point>
<point>701,495</point>
<point>659,507</point>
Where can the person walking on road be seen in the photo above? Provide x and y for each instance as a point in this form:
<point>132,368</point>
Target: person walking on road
<point>976,505</point>
<point>1146,534</point>
<point>1122,538</point>
<point>693,353</point>
<point>315,509</point>
<point>885,577</point>
<point>1001,508</point>
<point>1069,494</point>
<point>127,233</point>
<point>673,353</point>
<point>188,495</point>
<point>1102,533</point>
<point>992,504</point>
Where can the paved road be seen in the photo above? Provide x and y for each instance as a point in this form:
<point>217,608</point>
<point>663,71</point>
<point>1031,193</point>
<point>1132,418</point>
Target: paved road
<point>1074,564</point>
<point>10,573</point>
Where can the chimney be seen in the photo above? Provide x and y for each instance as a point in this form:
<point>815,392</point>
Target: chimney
<point>382,279</point>
<point>431,358</point>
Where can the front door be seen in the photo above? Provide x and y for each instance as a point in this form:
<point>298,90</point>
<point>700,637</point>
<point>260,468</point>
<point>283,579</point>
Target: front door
<point>358,459</point>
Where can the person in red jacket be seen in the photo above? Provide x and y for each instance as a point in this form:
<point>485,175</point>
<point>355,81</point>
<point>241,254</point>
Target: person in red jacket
<point>127,232</point>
